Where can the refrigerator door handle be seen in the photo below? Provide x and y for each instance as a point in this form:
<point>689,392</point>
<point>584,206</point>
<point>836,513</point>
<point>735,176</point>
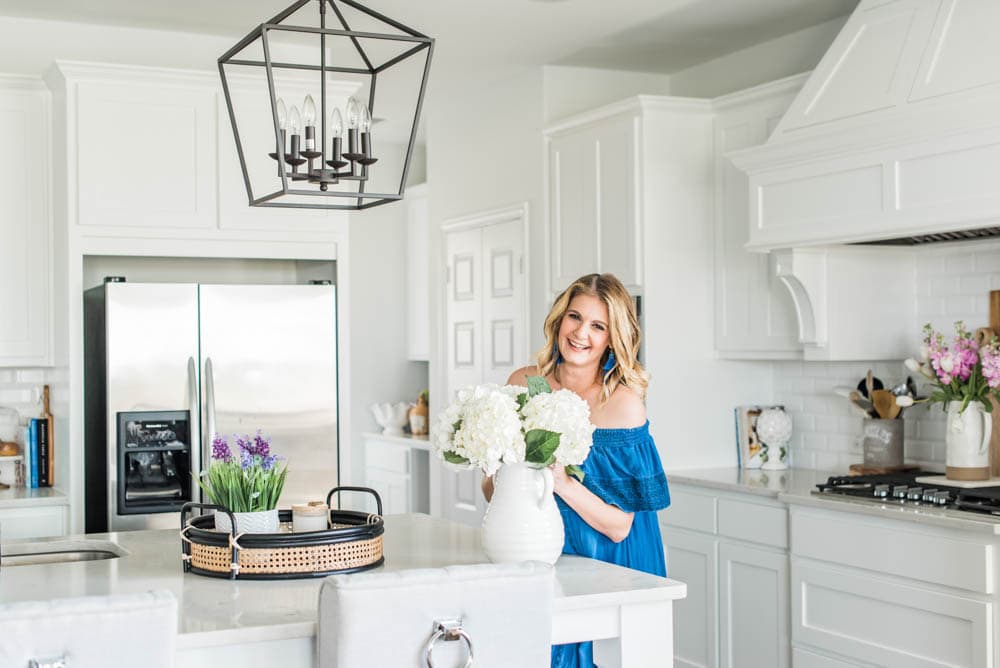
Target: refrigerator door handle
<point>206,452</point>
<point>192,402</point>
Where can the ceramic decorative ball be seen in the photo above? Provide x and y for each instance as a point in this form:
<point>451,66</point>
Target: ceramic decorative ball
<point>774,428</point>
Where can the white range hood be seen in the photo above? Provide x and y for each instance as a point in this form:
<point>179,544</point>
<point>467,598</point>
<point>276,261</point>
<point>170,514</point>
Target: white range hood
<point>894,137</point>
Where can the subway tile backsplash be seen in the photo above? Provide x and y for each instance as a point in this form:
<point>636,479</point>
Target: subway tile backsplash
<point>953,283</point>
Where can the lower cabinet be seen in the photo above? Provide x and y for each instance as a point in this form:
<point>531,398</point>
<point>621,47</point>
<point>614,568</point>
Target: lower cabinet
<point>731,550</point>
<point>900,595</point>
<point>32,522</point>
<point>397,467</point>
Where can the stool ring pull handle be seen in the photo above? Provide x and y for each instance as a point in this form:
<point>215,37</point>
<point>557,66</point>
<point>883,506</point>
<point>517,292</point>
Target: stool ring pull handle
<point>447,630</point>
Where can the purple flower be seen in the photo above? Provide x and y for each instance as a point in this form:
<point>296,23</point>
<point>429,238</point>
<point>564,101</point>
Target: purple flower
<point>220,449</point>
<point>261,446</point>
<point>244,443</point>
<point>268,461</point>
<point>246,460</point>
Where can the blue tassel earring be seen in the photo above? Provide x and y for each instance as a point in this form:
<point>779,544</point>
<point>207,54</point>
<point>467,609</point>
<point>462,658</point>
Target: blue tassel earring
<point>556,353</point>
<point>609,364</point>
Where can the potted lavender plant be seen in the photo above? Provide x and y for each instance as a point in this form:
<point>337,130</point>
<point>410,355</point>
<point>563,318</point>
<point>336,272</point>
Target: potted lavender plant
<point>247,484</point>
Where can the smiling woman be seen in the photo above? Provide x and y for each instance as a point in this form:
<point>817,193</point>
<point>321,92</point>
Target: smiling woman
<point>592,343</point>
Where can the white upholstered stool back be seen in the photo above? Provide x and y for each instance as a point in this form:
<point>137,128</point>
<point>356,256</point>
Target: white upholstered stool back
<point>386,618</point>
<point>119,631</point>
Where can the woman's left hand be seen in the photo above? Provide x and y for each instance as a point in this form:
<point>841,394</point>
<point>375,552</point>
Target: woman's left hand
<point>560,480</point>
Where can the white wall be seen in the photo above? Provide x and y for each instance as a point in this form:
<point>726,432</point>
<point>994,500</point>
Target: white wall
<point>572,90</point>
<point>379,367</point>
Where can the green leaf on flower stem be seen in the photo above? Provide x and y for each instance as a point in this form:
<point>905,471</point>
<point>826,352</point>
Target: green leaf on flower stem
<point>453,458</point>
<point>537,385</point>
<point>522,400</point>
<point>575,471</point>
<point>455,427</point>
<point>540,446</point>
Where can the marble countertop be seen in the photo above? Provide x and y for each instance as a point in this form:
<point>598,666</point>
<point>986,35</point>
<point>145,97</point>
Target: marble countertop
<point>796,486</point>
<point>409,440</point>
<point>21,497</point>
<point>215,611</point>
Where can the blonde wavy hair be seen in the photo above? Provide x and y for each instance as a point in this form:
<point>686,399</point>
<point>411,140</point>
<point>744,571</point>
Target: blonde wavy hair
<point>623,329</point>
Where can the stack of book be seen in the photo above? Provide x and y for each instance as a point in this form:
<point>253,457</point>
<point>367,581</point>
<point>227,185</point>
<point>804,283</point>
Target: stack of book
<point>39,455</point>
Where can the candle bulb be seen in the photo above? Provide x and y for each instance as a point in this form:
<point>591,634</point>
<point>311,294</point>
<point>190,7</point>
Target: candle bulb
<point>294,126</point>
<point>282,121</point>
<point>337,130</point>
<point>365,125</point>
<point>309,120</point>
<point>353,114</point>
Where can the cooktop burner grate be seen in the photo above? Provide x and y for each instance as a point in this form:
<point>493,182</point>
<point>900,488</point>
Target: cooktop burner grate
<point>903,488</point>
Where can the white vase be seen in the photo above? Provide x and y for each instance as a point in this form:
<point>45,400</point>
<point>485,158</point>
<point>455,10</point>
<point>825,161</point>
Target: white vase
<point>967,440</point>
<point>259,521</point>
<point>522,522</point>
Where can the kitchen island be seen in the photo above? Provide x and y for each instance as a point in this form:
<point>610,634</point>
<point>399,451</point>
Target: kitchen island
<point>267,623</point>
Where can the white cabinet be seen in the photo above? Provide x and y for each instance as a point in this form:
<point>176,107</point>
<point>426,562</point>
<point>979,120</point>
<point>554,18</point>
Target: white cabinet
<point>146,154</point>
<point>731,550</point>
<point>25,224</point>
<point>753,606</point>
<point>881,592</point>
<point>397,468</point>
<point>150,152</point>
<point>593,202</point>
<point>754,314</point>
<point>418,285</point>
<point>34,522</point>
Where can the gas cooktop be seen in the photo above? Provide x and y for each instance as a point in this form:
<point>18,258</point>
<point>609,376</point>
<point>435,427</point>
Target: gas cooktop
<point>903,489</point>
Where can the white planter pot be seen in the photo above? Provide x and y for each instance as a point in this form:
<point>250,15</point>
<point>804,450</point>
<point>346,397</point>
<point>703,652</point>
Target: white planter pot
<point>522,522</point>
<point>261,521</point>
<point>967,441</point>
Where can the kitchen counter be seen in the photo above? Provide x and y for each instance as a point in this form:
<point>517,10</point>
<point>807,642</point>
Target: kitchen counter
<point>795,487</point>
<point>23,497</point>
<point>216,614</point>
<point>752,481</point>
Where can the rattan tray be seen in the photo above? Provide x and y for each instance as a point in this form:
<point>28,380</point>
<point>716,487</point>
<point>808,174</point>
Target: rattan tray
<point>352,543</point>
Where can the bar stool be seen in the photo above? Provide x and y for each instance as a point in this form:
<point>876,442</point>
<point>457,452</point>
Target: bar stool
<point>120,631</point>
<point>500,615</point>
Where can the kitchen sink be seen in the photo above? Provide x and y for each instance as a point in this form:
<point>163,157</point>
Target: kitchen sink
<point>57,552</point>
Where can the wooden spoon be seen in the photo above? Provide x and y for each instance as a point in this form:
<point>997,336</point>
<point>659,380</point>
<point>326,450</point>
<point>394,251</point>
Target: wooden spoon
<point>861,403</point>
<point>885,404</point>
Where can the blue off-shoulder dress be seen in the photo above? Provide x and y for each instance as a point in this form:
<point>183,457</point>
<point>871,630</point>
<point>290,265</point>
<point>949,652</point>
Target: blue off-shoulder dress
<point>624,469</point>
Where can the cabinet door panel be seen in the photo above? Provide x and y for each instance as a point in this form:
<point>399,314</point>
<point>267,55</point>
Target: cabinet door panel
<point>753,609</point>
<point>25,242</point>
<point>39,522</point>
<point>618,210</point>
<point>754,313</point>
<point>573,207</point>
<point>146,155</point>
<point>691,558</point>
<point>879,620</point>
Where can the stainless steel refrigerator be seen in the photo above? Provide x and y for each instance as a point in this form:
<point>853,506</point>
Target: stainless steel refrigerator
<point>167,366</point>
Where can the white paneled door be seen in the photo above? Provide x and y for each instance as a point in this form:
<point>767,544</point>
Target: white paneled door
<point>486,311</point>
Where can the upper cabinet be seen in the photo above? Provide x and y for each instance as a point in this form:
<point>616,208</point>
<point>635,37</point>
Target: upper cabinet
<point>894,136</point>
<point>593,170</point>
<point>754,313</point>
<point>25,224</point>
<point>149,152</point>
<point>145,154</point>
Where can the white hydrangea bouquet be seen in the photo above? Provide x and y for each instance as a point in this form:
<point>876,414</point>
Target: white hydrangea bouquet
<point>489,425</point>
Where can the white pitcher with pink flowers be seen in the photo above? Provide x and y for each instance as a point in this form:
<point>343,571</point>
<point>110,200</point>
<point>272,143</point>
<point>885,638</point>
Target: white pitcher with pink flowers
<point>966,375</point>
<point>514,434</point>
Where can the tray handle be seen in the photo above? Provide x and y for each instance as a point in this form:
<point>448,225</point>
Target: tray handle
<point>186,549</point>
<point>335,490</point>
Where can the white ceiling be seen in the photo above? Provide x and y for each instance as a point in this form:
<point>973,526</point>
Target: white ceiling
<point>482,35</point>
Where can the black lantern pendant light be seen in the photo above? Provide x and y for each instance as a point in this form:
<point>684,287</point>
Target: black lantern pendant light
<point>334,167</point>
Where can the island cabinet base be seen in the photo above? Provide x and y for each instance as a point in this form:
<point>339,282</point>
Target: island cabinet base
<point>870,591</point>
<point>625,636</point>
<point>290,652</point>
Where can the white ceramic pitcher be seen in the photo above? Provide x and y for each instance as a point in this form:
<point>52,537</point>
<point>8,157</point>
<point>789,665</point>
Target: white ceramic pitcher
<point>967,440</point>
<point>522,522</point>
